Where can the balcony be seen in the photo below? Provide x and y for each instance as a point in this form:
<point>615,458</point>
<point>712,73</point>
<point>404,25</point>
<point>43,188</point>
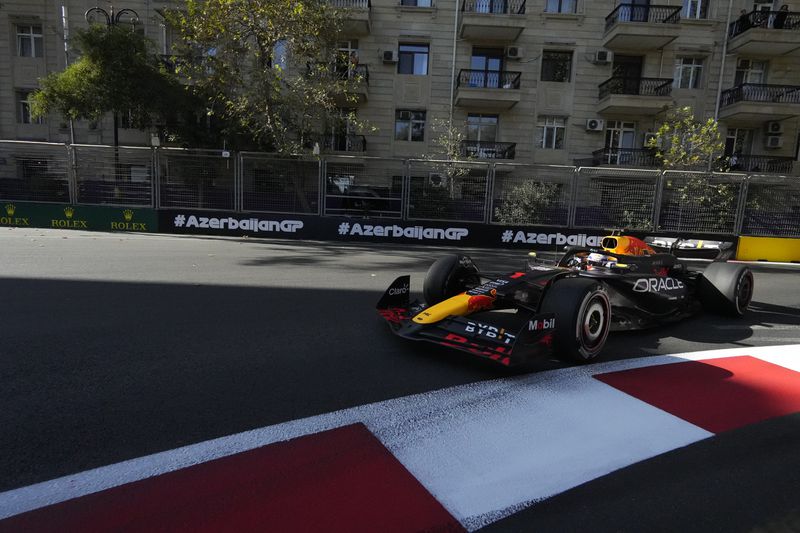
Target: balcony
<point>357,20</point>
<point>349,144</point>
<point>629,157</point>
<point>767,164</point>
<point>765,33</point>
<point>634,96</point>
<point>641,27</point>
<point>751,102</point>
<point>488,150</point>
<point>492,20</point>
<point>358,78</point>
<point>488,90</point>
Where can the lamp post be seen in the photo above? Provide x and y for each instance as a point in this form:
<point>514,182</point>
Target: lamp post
<point>98,15</point>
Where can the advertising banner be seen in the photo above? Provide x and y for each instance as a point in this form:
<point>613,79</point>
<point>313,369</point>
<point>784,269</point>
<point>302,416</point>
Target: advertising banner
<point>82,217</point>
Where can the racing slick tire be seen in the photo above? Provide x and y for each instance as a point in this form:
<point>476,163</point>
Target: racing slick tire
<point>583,318</point>
<point>448,276</point>
<point>726,288</point>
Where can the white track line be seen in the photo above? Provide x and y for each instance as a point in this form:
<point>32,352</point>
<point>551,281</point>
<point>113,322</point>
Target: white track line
<point>484,450</point>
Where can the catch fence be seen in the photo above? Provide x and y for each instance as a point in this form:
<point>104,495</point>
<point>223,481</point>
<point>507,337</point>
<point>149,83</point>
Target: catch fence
<point>403,189</point>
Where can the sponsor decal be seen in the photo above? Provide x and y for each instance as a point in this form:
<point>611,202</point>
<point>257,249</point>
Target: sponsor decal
<point>398,290</point>
<point>10,219</point>
<point>657,285</point>
<point>69,222</point>
<point>490,332</point>
<point>395,315</point>
<point>662,272</point>
<point>255,225</point>
<point>490,287</point>
<point>560,239</point>
<point>409,232</point>
<point>481,302</point>
<point>495,354</point>
<point>128,224</point>
<point>541,324</point>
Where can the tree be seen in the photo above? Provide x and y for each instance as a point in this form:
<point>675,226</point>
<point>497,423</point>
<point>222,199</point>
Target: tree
<point>683,142</point>
<point>528,202</point>
<point>117,73</point>
<point>269,67</point>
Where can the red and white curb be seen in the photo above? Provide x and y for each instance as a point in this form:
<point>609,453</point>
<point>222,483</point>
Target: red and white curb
<point>482,451</point>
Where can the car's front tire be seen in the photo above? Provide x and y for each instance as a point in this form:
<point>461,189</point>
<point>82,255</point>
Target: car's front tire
<point>448,276</point>
<point>583,318</point>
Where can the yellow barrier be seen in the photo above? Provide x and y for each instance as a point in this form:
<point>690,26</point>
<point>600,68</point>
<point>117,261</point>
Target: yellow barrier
<point>768,249</point>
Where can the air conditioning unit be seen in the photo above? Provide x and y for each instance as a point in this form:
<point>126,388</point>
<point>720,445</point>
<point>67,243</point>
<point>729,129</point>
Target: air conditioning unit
<point>602,57</point>
<point>437,180</point>
<point>773,141</point>
<point>515,52</point>
<point>774,127</point>
<point>648,136</point>
<point>595,124</point>
<point>390,56</point>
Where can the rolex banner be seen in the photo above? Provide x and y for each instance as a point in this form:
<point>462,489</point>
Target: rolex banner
<point>80,217</point>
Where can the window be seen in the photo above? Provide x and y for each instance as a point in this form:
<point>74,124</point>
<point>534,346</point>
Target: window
<point>416,3</point>
<point>551,132</point>
<point>280,55</point>
<point>687,73</point>
<point>482,128</point>
<point>29,41</point>
<point>556,66</point>
<point>24,109</point>
<point>561,6</point>
<point>695,9</point>
<point>413,59</point>
<point>409,125</point>
<point>750,71</point>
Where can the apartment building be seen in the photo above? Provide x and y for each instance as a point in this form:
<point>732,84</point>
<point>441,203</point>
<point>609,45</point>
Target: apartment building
<point>527,81</point>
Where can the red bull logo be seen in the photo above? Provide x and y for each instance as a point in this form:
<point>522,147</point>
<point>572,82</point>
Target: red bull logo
<point>481,302</point>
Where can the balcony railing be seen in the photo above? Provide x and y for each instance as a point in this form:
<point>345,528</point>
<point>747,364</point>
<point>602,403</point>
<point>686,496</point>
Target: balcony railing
<point>756,92</point>
<point>351,4</point>
<point>483,79</point>
<point>495,7</point>
<point>759,163</point>
<point>488,150</point>
<point>352,71</point>
<point>634,157</point>
<point>642,13</point>
<point>773,20</point>
<point>345,143</point>
<point>636,86</point>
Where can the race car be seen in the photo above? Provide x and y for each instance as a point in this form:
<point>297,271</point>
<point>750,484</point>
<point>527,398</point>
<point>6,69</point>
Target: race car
<point>566,308</point>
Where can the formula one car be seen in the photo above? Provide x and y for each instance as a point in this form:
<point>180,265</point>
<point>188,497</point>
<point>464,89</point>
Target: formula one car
<point>566,308</point>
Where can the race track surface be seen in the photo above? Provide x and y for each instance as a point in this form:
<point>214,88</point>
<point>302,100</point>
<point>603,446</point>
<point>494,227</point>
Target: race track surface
<point>114,347</point>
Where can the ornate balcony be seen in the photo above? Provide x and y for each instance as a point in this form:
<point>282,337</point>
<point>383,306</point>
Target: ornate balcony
<point>634,96</point>
<point>488,150</point>
<point>642,27</point>
<point>345,143</point>
<point>629,157</point>
<point>488,90</point>
<point>768,164</point>
<point>357,21</point>
<point>492,20</point>
<point>760,102</point>
<point>765,33</point>
<point>359,76</point>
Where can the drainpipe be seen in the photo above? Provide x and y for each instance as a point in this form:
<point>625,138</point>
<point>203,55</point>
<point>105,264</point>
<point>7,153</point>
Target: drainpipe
<point>453,68</point>
<point>722,62</point>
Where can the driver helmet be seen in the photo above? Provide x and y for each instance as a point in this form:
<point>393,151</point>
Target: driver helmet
<point>601,260</point>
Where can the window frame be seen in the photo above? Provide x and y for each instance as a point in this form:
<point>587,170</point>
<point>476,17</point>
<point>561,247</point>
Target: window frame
<point>417,117</point>
<point>23,106</point>
<point>413,53</point>
<point>697,12</point>
<point>477,120</point>
<point>416,3</point>
<point>31,37</point>
<point>553,127</point>
<point>561,7</point>
<point>694,70</point>
<point>546,61</point>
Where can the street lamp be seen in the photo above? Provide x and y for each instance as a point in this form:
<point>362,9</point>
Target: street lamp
<point>98,15</point>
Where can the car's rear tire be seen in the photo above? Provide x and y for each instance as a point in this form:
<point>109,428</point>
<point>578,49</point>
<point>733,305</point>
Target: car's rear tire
<point>583,318</point>
<point>448,276</point>
<point>726,288</point>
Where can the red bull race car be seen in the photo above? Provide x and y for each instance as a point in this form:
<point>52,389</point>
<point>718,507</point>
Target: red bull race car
<point>566,308</point>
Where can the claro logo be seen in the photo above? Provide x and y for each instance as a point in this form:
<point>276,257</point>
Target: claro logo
<point>398,290</point>
<point>657,285</point>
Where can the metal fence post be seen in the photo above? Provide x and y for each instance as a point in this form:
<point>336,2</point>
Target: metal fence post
<point>323,172</point>
<point>573,204</point>
<point>738,223</point>
<point>406,190</point>
<point>157,175</point>
<point>238,183</point>
<point>657,199</point>
<point>72,178</point>
<point>489,193</point>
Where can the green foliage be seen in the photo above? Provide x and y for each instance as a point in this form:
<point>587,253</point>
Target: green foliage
<point>716,202</point>
<point>526,203</point>
<point>229,53</point>
<point>116,72</point>
<point>683,142</point>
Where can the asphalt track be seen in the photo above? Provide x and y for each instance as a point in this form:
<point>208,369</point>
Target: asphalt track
<point>114,347</point>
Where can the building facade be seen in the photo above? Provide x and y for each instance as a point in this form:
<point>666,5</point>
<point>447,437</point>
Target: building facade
<point>527,81</point>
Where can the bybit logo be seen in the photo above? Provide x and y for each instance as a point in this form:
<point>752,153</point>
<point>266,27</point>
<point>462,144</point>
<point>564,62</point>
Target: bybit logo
<point>127,215</point>
<point>69,211</point>
<point>11,220</point>
<point>128,225</point>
